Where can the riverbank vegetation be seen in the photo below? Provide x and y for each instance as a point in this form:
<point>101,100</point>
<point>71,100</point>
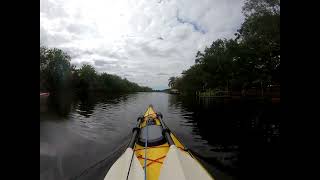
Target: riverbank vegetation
<point>250,60</point>
<point>57,75</point>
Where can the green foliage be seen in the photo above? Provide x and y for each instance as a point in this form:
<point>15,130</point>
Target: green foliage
<point>261,7</point>
<point>55,69</point>
<point>251,59</point>
<point>57,74</point>
<point>172,82</point>
<point>87,77</point>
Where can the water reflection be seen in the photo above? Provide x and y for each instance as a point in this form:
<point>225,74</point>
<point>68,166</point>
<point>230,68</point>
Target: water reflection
<point>225,134</point>
<point>86,106</point>
<point>60,103</point>
<point>232,130</point>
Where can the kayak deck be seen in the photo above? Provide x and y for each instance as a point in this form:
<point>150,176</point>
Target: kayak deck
<point>155,154</point>
<point>160,151</point>
<point>155,157</point>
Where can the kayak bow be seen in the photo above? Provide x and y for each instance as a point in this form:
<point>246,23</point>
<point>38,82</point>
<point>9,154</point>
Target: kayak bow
<point>155,153</point>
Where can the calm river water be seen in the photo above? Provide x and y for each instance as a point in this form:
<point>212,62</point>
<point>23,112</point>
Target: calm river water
<point>233,139</point>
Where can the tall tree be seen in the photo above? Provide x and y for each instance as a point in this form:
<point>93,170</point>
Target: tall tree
<point>251,59</point>
<point>55,69</point>
<point>57,75</point>
<point>171,82</point>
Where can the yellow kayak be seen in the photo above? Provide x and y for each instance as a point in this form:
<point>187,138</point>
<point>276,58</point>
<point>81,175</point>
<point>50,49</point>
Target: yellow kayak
<point>155,153</point>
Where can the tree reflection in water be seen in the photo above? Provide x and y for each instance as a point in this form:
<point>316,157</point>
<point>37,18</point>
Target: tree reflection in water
<point>242,135</point>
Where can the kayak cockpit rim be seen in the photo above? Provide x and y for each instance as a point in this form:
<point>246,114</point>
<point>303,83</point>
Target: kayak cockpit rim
<point>144,160</point>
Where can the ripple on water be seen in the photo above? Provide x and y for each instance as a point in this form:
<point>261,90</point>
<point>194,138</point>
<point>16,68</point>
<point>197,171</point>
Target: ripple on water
<point>95,128</point>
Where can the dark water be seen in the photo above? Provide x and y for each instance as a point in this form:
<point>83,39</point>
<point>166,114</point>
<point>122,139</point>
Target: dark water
<point>233,139</point>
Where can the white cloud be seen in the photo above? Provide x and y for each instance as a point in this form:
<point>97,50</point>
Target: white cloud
<point>146,41</point>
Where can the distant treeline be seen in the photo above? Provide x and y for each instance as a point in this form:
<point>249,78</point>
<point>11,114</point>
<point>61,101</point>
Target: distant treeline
<point>57,74</point>
<point>251,59</point>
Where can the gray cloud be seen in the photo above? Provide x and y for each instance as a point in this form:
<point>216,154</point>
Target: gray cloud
<point>154,51</point>
<point>100,62</point>
<point>107,53</point>
<point>104,62</point>
<point>196,26</point>
<point>52,9</point>
<point>77,28</point>
<point>162,74</point>
<point>145,41</point>
<point>80,63</point>
<point>53,39</point>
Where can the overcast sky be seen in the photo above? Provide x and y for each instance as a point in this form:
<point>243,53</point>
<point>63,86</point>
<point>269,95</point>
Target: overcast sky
<point>145,41</point>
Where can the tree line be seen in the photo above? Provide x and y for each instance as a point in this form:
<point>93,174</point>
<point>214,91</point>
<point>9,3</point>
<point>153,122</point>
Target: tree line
<point>58,75</point>
<point>250,59</point>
